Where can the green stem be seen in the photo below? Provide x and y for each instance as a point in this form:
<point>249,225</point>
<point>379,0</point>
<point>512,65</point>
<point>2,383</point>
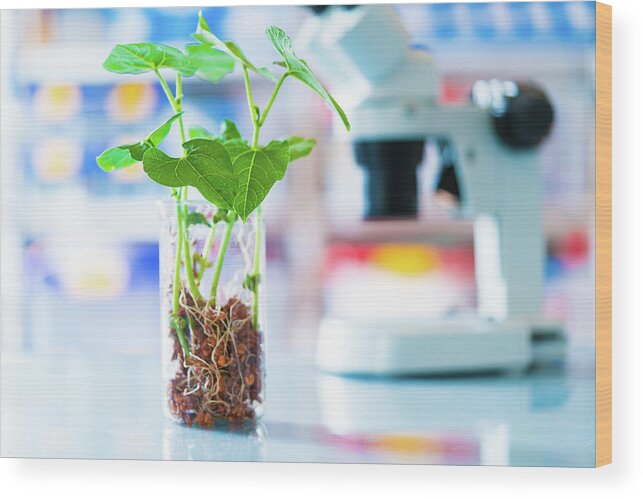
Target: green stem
<point>178,99</point>
<point>187,251</point>
<point>271,101</point>
<point>184,343</point>
<point>167,91</point>
<point>190,326</point>
<point>183,244</point>
<point>177,264</point>
<point>220,256</point>
<point>256,266</point>
<point>255,136</point>
<point>188,261</point>
<point>177,280</point>
<point>206,251</point>
<point>251,104</point>
<point>256,270</point>
<point>257,121</point>
<point>175,102</point>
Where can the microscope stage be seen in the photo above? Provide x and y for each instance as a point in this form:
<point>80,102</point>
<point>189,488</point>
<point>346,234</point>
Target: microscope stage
<point>466,345</point>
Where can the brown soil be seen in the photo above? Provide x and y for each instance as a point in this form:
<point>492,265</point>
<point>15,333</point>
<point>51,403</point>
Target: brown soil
<point>221,378</point>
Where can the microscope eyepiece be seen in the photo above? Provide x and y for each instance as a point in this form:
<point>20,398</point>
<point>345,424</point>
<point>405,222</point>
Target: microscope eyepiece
<point>391,176</point>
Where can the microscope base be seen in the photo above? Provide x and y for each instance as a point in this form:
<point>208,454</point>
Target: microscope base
<point>437,347</point>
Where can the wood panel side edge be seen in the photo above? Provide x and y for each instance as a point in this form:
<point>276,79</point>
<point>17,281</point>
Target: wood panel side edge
<point>603,234</point>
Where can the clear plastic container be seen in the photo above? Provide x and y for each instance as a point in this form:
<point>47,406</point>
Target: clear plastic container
<point>213,341</point>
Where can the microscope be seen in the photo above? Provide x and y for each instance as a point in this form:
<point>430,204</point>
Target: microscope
<point>489,163</point>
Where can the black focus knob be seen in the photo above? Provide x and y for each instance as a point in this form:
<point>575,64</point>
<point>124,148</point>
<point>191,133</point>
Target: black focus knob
<point>522,113</point>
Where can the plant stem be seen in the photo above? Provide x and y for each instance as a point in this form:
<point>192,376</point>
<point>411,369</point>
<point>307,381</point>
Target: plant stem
<point>187,252</point>
<point>220,256</point>
<point>271,101</point>
<point>257,269</point>
<point>177,280</point>
<point>183,251</point>
<point>175,102</point>
<point>167,91</point>
<point>179,228</point>
<point>206,251</point>
<point>258,120</point>
<point>177,264</point>
<point>251,104</point>
<point>188,261</point>
<point>184,342</point>
<point>178,99</point>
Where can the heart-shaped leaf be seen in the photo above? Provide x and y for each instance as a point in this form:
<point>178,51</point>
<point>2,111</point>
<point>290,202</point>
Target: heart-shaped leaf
<point>300,147</point>
<point>137,58</point>
<point>205,165</point>
<point>211,64</point>
<point>257,171</point>
<point>299,69</point>
<point>279,153</point>
<point>236,148</point>
<point>205,35</point>
<point>126,155</point>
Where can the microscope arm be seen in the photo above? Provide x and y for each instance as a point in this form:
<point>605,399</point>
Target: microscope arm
<point>501,191</point>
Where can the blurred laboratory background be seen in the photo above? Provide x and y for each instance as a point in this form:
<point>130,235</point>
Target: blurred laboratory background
<point>80,246</point>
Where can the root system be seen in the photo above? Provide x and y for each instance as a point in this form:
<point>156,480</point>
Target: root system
<point>220,379</point>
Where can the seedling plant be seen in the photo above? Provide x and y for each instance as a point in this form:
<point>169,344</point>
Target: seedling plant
<point>219,345</point>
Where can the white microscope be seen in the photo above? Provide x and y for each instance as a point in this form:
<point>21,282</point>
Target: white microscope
<point>490,162</point>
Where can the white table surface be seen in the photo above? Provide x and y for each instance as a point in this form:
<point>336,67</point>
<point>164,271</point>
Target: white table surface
<point>79,394</point>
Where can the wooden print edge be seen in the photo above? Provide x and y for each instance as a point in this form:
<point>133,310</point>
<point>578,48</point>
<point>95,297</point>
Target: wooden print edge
<point>603,234</point>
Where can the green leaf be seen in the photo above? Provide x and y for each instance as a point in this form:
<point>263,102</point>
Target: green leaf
<point>211,64</point>
<point>300,147</point>
<point>196,218</point>
<point>236,148</point>
<point>251,282</point>
<point>116,158</point>
<point>126,155</point>
<point>159,134</point>
<point>205,35</point>
<point>205,165</point>
<point>137,150</point>
<point>299,69</point>
<point>229,136</point>
<point>220,216</point>
<point>137,58</point>
<point>154,139</point>
<point>257,171</point>
<point>229,131</point>
<point>279,154</point>
<point>197,132</point>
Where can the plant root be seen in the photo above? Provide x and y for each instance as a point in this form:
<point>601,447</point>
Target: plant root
<point>221,378</point>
